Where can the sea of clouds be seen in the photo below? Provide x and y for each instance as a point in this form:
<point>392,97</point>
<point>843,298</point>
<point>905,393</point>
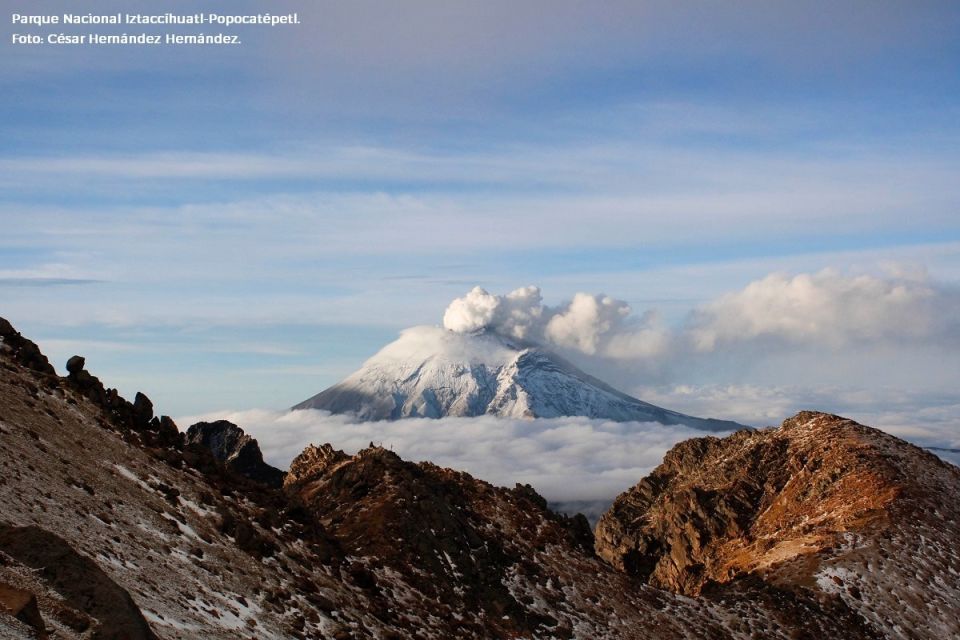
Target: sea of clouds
<point>565,459</point>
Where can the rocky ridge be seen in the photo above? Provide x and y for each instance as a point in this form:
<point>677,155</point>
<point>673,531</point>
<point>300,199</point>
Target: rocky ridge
<point>820,501</point>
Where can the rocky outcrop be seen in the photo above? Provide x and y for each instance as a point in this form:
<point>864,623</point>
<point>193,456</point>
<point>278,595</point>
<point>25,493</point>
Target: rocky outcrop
<point>775,502</point>
<point>134,416</point>
<point>455,539</point>
<point>235,449</point>
<point>22,605</point>
<point>22,350</point>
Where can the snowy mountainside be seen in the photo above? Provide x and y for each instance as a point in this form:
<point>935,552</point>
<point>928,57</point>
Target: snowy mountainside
<point>431,372</point>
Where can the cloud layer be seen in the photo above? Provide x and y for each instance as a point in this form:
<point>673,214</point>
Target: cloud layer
<point>565,459</point>
<point>568,460</point>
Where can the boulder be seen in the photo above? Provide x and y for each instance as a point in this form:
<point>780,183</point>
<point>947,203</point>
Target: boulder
<point>142,409</point>
<point>75,364</point>
<point>78,580</point>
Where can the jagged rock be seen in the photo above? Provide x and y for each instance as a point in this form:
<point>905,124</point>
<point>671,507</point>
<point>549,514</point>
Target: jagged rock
<point>238,451</point>
<point>142,409</point>
<point>89,385</point>
<point>313,462</point>
<point>24,351</point>
<point>369,545</point>
<point>136,416</point>
<point>167,433</point>
<point>455,537</point>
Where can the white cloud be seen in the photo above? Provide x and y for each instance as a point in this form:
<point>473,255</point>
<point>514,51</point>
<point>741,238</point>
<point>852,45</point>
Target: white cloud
<point>589,324</point>
<point>519,314</point>
<point>565,459</point>
<point>473,312</point>
<point>823,309</point>
<point>585,321</point>
<point>829,308</point>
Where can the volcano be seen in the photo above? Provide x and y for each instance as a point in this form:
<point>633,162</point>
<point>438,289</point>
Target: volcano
<point>431,372</point>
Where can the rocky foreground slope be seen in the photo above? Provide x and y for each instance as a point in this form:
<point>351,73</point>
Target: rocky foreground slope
<point>113,524</point>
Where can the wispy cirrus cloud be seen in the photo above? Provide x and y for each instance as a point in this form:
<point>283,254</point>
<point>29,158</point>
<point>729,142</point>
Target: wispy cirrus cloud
<point>622,151</point>
<point>46,275</point>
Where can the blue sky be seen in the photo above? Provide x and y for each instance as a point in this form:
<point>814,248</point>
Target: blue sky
<point>228,229</point>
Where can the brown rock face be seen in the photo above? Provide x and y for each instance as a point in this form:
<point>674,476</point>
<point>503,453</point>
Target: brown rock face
<point>454,538</point>
<point>776,502</point>
<point>22,605</point>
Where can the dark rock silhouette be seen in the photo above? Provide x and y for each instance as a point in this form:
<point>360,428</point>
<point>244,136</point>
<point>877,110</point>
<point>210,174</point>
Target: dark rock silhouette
<point>24,351</point>
<point>134,416</point>
<point>238,451</point>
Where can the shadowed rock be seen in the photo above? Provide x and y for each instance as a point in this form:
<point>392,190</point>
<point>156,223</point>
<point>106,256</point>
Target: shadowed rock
<point>24,351</point>
<point>79,580</point>
<point>75,364</point>
<point>137,415</point>
<point>458,539</point>
<point>238,451</point>
<point>819,529</point>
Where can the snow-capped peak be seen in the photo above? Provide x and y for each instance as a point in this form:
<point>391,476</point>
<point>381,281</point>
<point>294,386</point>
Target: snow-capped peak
<point>433,372</point>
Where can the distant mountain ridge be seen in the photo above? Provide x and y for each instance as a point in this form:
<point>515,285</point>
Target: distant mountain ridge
<point>433,373</point>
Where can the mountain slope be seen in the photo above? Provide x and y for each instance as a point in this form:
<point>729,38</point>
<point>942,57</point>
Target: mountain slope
<point>430,372</point>
<point>113,525</point>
